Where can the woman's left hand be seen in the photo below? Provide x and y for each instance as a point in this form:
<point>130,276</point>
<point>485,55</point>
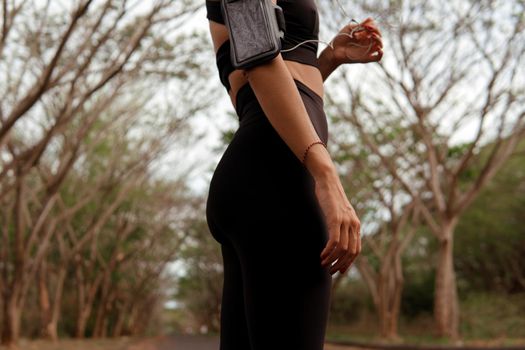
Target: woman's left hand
<point>364,46</point>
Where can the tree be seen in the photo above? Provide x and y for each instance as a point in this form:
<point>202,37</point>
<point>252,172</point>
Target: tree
<point>450,71</point>
<point>71,77</point>
<point>389,224</point>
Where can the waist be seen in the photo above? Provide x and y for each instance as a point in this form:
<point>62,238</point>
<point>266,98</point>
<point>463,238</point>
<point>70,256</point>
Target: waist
<point>247,99</point>
<point>249,110</point>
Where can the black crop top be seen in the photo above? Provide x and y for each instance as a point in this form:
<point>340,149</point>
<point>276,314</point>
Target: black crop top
<point>302,23</point>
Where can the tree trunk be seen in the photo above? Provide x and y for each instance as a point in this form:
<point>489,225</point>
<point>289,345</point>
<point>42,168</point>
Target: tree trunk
<point>82,308</point>
<point>13,288</point>
<point>390,286</point>
<point>102,306</point>
<point>133,317</point>
<point>11,329</point>
<point>81,323</point>
<point>51,328</point>
<point>446,310</point>
<point>86,299</point>
<point>45,304</point>
<point>122,312</point>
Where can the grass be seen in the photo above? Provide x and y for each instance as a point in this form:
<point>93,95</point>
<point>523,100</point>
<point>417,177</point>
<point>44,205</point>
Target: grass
<point>350,335</point>
<point>485,320</point>
<point>417,332</point>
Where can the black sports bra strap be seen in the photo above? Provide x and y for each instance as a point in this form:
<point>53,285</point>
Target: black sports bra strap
<point>214,11</point>
<point>224,63</point>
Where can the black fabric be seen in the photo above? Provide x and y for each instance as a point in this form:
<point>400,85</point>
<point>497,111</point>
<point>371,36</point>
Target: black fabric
<point>224,64</point>
<point>262,210</point>
<point>302,23</point>
<point>213,11</point>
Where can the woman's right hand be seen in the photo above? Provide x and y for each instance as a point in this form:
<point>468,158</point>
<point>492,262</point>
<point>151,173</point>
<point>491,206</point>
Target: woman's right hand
<point>344,243</point>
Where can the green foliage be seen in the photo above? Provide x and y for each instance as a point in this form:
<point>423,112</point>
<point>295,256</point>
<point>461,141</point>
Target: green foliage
<point>349,302</point>
<point>491,315</point>
<point>490,237</point>
<point>458,150</point>
<point>200,288</point>
<point>418,294</point>
<point>227,136</point>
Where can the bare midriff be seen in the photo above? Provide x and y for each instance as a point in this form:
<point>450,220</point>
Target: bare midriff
<point>305,73</point>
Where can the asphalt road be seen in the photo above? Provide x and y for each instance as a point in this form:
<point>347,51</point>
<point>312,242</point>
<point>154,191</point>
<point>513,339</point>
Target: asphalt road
<point>195,342</point>
<point>199,342</point>
<point>188,342</point>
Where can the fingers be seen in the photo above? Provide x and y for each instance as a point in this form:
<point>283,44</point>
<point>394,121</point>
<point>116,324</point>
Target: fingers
<point>368,38</point>
<point>376,52</point>
<point>369,25</point>
<point>372,29</point>
<point>332,249</point>
<point>377,39</point>
<point>377,57</point>
<point>345,243</point>
<point>351,260</point>
<point>355,235</point>
<point>354,247</point>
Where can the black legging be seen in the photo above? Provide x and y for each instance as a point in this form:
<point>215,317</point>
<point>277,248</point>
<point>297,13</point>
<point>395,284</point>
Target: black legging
<point>262,209</point>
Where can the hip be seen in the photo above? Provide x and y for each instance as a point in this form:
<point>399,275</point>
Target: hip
<point>258,169</point>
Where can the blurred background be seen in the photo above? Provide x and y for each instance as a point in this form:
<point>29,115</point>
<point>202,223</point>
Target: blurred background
<point>113,118</point>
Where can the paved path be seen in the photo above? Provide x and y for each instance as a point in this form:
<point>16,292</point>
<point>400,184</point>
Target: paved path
<point>194,342</point>
<point>198,342</point>
<point>188,342</point>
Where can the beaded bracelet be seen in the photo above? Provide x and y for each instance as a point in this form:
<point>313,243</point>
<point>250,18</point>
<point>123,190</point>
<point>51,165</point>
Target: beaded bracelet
<point>308,148</point>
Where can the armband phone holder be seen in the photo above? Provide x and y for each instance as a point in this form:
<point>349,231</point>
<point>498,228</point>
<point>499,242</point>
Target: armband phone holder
<point>256,28</point>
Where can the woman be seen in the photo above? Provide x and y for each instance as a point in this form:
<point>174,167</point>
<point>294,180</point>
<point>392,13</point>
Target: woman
<point>275,202</point>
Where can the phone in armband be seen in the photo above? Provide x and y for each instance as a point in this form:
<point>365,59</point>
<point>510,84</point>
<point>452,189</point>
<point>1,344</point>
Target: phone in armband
<point>256,28</point>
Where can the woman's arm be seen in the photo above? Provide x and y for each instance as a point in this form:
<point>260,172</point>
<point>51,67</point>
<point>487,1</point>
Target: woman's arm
<point>326,63</point>
<point>280,100</point>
